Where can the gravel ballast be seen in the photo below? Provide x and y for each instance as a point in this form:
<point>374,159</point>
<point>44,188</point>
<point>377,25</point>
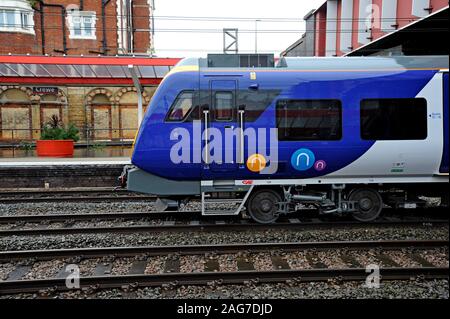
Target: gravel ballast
<point>209,238</point>
<point>397,289</point>
<point>75,207</point>
<point>333,258</point>
<point>412,289</point>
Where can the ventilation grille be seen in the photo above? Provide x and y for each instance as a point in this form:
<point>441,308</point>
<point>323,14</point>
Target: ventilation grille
<point>241,61</point>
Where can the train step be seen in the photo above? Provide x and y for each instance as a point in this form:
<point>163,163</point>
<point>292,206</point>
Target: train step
<point>219,213</point>
<point>220,206</point>
<point>223,201</point>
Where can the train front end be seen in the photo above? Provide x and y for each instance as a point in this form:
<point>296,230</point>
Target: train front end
<point>151,164</point>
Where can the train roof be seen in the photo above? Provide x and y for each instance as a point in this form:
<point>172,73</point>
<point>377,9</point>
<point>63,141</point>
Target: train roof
<point>366,63</point>
<point>321,63</point>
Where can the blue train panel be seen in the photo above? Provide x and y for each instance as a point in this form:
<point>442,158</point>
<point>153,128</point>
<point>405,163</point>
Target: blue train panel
<point>173,146</point>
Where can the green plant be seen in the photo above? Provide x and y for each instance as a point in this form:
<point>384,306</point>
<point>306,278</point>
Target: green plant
<point>32,2</point>
<point>26,146</point>
<point>72,133</point>
<point>55,130</point>
<point>97,146</point>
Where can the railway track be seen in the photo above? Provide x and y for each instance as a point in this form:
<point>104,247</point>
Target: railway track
<point>163,222</point>
<point>304,214</point>
<point>222,249</point>
<point>48,218</point>
<point>280,265</point>
<point>70,195</point>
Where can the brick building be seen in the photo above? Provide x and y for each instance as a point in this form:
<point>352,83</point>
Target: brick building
<point>343,27</point>
<point>100,100</point>
<point>97,94</point>
<point>107,113</point>
<point>74,27</point>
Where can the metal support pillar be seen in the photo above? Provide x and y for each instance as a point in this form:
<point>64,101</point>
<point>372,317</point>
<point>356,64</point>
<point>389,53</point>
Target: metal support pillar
<point>139,89</point>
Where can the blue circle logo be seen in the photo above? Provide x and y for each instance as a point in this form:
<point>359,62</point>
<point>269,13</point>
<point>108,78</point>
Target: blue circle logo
<point>303,159</point>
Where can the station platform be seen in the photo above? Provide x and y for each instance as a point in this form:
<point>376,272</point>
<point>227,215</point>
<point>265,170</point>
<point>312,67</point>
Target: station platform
<point>53,161</point>
<point>39,172</point>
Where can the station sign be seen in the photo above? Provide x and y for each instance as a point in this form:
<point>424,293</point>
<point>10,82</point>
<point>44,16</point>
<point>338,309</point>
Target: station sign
<point>42,90</point>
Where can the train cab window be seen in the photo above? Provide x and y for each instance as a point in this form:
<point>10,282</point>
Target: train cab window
<point>181,107</point>
<point>309,120</point>
<point>223,106</point>
<point>394,119</point>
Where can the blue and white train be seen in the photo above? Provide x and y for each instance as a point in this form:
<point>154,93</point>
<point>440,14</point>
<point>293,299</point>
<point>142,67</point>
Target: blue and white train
<point>347,135</point>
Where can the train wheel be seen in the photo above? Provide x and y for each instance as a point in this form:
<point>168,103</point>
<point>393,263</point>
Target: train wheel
<point>369,202</point>
<point>263,206</point>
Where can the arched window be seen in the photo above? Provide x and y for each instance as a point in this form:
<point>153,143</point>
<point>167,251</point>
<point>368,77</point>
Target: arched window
<point>101,117</point>
<point>50,105</point>
<point>15,115</point>
<point>127,100</point>
<point>128,115</point>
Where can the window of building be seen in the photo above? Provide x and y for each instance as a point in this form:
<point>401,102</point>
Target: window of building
<point>101,118</point>
<point>223,106</point>
<point>16,19</point>
<point>394,119</point>
<point>128,115</point>
<point>309,120</point>
<point>15,115</point>
<point>181,107</point>
<point>24,17</point>
<point>50,105</point>
<point>7,18</point>
<point>82,24</point>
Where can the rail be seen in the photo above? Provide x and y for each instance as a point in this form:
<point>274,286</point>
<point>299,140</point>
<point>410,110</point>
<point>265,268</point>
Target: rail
<point>195,225</point>
<point>169,272</point>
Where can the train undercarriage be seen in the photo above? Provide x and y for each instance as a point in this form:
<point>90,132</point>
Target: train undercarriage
<point>266,204</point>
<point>266,201</point>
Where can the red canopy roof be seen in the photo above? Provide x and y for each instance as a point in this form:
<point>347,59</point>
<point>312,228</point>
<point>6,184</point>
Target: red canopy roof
<point>47,70</point>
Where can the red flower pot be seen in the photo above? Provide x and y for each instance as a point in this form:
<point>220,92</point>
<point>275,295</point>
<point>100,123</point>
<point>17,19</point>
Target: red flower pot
<point>55,148</point>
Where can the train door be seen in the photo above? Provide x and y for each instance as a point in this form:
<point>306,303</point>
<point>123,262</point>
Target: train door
<point>444,163</point>
<point>220,120</point>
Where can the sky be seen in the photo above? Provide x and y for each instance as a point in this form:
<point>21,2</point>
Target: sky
<point>180,37</point>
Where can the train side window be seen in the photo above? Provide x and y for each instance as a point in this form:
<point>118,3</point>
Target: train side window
<point>223,106</point>
<point>394,119</point>
<point>181,107</point>
<point>309,120</point>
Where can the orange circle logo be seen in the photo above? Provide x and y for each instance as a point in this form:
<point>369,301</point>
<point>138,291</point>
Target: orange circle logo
<point>256,163</point>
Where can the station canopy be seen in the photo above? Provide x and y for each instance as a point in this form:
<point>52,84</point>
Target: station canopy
<point>82,70</point>
<point>426,36</point>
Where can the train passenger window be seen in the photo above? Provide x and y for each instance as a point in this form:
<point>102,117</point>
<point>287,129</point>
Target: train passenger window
<point>223,106</point>
<point>181,107</point>
<point>309,120</point>
<point>394,119</point>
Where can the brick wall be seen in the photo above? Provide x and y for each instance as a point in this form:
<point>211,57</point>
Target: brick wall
<point>141,22</point>
<point>60,177</point>
<point>21,43</point>
<point>54,24</point>
<point>77,108</point>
